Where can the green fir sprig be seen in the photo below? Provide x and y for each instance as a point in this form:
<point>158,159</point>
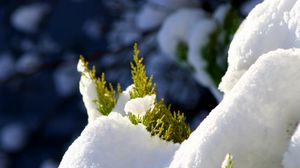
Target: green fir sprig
<point>159,120</point>
<point>142,84</point>
<point>106,95</point>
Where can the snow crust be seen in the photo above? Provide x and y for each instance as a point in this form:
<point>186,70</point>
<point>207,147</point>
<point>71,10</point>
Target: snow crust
<point>291,157</point>
<point>270,25</point>
<point>139,106</point>
<point>122,100</point>
<point>254,121</point>
<point>114,142</point>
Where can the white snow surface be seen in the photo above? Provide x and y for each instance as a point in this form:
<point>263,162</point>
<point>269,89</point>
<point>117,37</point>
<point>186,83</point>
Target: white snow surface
<point>122,100</point>
<point>291,157</point>
<point>27,18</point>
<point>87,88</point>
<point>139,106</point>
<point>177,28</point>
<point>254,121</point>
<point>114,142</point>
<point>270,25</point>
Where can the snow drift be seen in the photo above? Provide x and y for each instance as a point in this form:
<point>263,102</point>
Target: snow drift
<point>270,25</point>
<point>114,142</point>
<point>254,121</point>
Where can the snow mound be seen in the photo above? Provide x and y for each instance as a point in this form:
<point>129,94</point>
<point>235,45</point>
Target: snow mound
<point>139,106</point>
<point>270,25</point>
<point>122,100</point>
<point>114,142</point>
<point>260,108</point>
<point>291,157</point>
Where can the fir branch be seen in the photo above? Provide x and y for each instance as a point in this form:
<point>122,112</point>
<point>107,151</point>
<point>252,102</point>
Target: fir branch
<point>106,95</point>
<point>142,84</point>
<point>162,122</point>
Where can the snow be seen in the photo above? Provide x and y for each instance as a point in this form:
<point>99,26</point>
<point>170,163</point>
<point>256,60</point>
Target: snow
<point>27,18</point>
<point>270,25</point>
<point>139,106</point>
<point>122,100</point>
<point>254,121</point>
<point>87,88</point>
<point>150,17</point>
<point>13,137</point>
<point>28,62</point>
<point>291,157</point>
<point>114,142</point>
<point>7,65</point>
<point>177,28</point>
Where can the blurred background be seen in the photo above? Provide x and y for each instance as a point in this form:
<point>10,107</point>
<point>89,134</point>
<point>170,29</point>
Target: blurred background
<point>184,43</point>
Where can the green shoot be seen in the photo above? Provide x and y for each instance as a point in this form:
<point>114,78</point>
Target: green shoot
<point>105,92</point>
<point>142,84</point>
